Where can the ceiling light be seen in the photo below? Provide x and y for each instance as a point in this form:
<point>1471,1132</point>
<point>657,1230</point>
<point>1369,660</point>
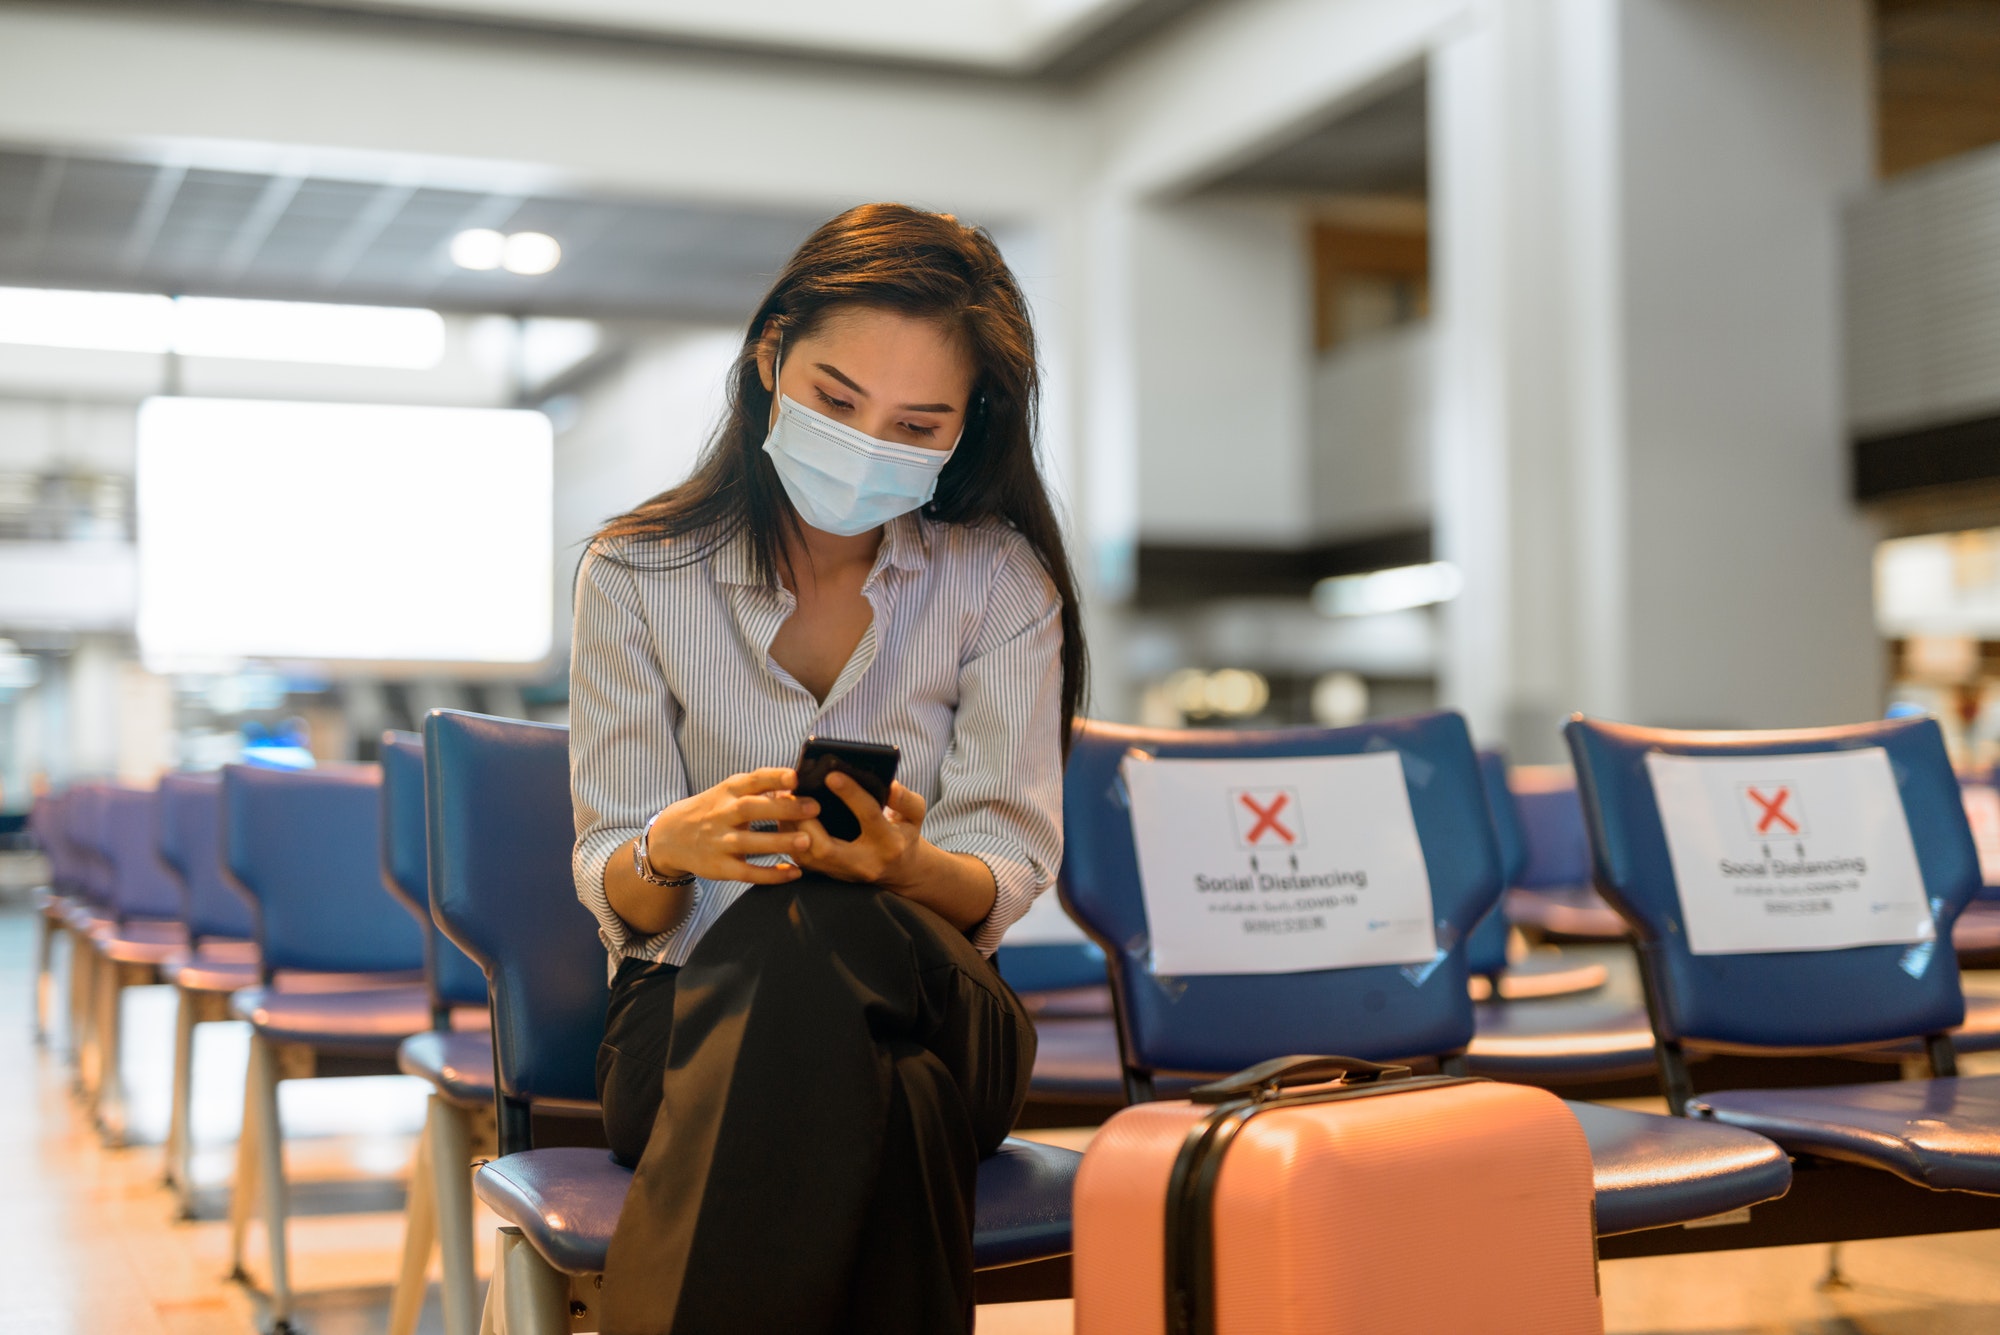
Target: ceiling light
<point>276,331</point>
<point>530,253</point>
<point>478,248</point>
<point>1394,590</point>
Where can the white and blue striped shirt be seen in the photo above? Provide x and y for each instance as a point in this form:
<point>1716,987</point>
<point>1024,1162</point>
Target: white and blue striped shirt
<point>672,691</point>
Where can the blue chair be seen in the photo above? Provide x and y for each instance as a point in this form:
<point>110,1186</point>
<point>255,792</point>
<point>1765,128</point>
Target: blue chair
<point>1540,974</point>
<point>501,835</point>
<point>305,847</point>
<point>1651,1172</point>
<point>1553,899</point>
<point>1942,1133</point>
<point>89,913</point>
<point>454,1056</point>
<point>222,951</point>
<point>141,934</point>
<point>49,827</point>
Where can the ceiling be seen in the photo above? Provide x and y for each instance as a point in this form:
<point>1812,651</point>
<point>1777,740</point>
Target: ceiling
<point>1013,39</point>
<point>68,220</point>
<point>1378,148</point>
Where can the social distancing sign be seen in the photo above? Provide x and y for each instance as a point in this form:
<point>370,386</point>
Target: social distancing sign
<point>1799,852</point>
<point>1279,866</point>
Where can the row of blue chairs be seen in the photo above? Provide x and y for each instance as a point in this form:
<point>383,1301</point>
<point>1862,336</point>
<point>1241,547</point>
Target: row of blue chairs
<point>470,826</point>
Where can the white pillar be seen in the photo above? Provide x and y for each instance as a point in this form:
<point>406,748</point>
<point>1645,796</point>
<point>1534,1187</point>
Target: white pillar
<point>1639,458</point>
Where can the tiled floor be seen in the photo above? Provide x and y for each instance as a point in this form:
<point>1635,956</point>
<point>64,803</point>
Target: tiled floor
<point>88,1243</point>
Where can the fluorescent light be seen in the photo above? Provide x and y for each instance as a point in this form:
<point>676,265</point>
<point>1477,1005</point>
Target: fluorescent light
<point>300,331</point>
<point>272,530</point>
<point>1394,590</point>
<point>100,321</point>
<point>283,331</point>
<point>530,253</point>
<point>478,248</point>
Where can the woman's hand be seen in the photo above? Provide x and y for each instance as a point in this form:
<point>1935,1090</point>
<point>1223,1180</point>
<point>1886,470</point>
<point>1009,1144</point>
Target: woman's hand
<point>708,834</point>
<point>886,851</point>
<point>890,853</point>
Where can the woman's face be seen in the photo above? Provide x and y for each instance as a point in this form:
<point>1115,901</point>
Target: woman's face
<point>896,377</point>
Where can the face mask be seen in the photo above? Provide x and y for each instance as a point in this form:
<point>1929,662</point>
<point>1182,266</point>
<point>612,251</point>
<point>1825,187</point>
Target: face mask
<point>846,481</point>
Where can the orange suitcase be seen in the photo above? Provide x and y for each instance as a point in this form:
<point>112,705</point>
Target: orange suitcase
<point>1339,1197</point>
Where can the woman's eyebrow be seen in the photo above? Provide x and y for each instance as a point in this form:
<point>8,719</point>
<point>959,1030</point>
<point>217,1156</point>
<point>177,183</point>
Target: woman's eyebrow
<point>835,372</point>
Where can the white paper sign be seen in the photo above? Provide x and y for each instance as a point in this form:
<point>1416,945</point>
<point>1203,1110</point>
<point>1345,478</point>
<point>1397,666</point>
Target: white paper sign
<point>1279,866</point>
<point>1802,852</point>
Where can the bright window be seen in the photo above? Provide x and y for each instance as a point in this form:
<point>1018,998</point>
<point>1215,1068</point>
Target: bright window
<point>315,531</point>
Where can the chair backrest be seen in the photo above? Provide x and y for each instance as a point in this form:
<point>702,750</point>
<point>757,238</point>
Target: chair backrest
<point>191,844</point>
<point>454,980</point>
<point>1048,966</point>
<point>1486,948</point>
<point>1786,999</point>
<point>90,834</point>
<point>45,826</point>
<point>1552,829</point>
<point>142,885</point>
<point>501,833</point>
<point>1215,1023</point>
<point>305,846</point>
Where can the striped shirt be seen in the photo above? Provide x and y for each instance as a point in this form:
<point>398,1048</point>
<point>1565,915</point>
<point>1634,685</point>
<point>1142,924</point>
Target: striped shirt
<point>672,691</point>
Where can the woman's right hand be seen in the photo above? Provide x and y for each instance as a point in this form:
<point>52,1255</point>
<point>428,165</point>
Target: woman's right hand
<point>708,833</point>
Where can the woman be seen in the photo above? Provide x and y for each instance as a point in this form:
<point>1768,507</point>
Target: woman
<point>807,1050</point>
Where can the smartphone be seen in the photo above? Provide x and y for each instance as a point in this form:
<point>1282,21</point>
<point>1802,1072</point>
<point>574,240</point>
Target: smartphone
<point>871,766</point>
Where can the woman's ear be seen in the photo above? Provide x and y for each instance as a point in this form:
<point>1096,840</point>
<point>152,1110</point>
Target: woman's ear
<point>767,357</point>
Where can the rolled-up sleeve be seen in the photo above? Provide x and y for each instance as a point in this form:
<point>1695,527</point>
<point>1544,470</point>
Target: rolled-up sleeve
<point>625,764</point>
<point>1000,789</point>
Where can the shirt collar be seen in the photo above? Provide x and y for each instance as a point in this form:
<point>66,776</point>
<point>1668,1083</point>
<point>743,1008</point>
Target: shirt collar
<point>906,541</point>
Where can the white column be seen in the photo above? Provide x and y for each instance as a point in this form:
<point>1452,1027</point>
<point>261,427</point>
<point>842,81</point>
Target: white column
<point>1639,458</point>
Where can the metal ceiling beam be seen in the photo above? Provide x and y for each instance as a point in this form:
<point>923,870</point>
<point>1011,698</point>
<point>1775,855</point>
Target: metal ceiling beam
<point>41,207</point>
<point>372,221</point>
<point>152,215</point>
<point>252,232</point>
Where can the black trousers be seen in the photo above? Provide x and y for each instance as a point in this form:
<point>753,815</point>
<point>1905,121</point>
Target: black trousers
<point>807,1100</point>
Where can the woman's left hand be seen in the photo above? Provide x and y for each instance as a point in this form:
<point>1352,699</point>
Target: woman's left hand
<point>887,850</point>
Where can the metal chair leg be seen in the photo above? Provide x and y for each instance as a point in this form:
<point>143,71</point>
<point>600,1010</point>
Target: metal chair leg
<point>271,1174</point>
<point>537,1298</point>
<point>451,1167</point>
<point>45,951</point>
<point>243,1187</point>
<point>180,1150</point>
<point>109,1106</point>
<point>419,1232</point>
<point>82,990</point>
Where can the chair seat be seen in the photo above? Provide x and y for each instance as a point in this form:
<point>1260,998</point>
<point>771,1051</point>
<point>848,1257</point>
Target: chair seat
<point>1977,931</point>
<point>140,941</point>
<point>1655,1172</point>
<point>81,917</point>
<point>1559,1043</point>
<point>371,1022</point>
<point>566,1202</point>
<point>1068,1002</point>
<point>1578,912</point>
<point>1942,1134</point>
<point>1542,975</point>
<point>459,1064</point>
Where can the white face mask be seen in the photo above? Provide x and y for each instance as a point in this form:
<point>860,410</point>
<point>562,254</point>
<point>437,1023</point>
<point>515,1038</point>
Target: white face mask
<point>842,480</point>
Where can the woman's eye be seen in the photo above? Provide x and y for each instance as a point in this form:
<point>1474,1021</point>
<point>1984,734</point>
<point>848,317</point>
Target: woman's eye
<point>832,402</point>
<point>925,432</point>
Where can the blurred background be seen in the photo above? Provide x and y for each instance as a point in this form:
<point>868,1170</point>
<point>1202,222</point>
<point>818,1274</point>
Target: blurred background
<point>1521,356</point>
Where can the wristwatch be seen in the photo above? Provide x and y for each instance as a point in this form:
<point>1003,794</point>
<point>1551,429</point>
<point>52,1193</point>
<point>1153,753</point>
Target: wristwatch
<point>643,865</point>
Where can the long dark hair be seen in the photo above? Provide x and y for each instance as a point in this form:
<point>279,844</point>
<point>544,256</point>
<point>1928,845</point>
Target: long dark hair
<point>921,264</point>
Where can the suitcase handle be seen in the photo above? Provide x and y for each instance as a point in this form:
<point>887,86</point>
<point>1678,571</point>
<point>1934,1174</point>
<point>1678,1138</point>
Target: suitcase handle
<point>1267,1079</point>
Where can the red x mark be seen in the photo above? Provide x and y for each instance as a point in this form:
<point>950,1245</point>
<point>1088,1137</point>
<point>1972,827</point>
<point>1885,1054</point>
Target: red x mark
<point>1267,818</point>
<point>1773,811</point>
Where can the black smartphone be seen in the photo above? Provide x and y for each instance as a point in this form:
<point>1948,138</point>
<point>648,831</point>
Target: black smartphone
<point>871,766</point>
